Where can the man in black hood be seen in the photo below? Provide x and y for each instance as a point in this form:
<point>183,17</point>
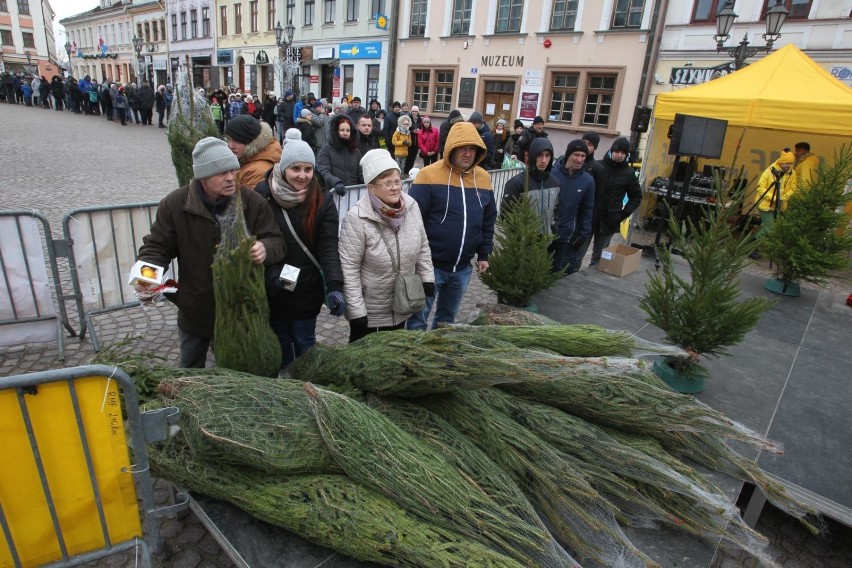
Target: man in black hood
<point>454,117</point>
<point>484,133</point>
<point>614,179</point>
<point>537,182</point>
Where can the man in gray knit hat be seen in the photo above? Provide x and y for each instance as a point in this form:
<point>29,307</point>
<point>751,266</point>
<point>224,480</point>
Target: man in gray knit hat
<point>187,228</point>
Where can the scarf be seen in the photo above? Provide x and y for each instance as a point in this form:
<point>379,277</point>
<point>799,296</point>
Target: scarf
<point>393,216</point>
<point>403,130</point>
<point>283,194</point>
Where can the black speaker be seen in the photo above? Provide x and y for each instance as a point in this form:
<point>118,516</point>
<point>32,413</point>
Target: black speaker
<point>641,119</point>
<point>697,136</point>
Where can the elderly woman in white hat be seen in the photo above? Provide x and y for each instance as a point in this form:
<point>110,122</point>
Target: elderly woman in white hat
<point>381,234</point>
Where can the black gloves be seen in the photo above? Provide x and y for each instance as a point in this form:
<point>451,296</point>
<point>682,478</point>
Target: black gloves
<point>340,188</point>
<point>358,328</point>
<point>429,289</point>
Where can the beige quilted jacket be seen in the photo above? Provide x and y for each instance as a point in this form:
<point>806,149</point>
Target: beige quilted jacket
<point>367,268</point>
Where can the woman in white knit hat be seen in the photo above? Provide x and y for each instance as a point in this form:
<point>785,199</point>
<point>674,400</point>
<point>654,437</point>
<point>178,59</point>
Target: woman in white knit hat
<point>382,233</point>
<point>308,219</point>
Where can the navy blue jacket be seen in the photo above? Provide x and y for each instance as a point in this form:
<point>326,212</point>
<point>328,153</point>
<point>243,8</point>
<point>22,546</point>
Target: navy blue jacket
<point>576,203</point>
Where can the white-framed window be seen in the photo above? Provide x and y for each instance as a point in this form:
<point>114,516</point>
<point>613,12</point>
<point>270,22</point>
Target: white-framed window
<point>582,97</point>
<point>627,14</point>
<point>461,17</point>
<point>433,89</point>
<point>418,18</point>
<point>564,15</point>
<point>509,14</point>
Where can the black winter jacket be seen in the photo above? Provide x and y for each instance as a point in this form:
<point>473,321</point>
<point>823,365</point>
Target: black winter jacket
<point>305,301</point>
<point>339,160</point>
<point>614,180</point>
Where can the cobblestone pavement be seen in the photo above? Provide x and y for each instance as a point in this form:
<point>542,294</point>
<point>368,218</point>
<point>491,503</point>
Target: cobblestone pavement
<point>54,162</point>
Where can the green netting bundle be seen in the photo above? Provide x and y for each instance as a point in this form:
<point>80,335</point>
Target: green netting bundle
<point>330,510</point>
<point>240,419</point>
<point>579,516</point>
<point>190,122</point>
<point>408,364</point>
<point>376,452</point>
<point>244,340</point>
<point>472,462</point>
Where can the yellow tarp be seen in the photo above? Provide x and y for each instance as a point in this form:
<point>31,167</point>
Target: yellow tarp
<point>61,449</point>
<point>786,90</point>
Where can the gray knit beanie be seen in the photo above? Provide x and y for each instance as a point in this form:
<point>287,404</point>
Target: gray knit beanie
<point>212,156</point>
<point>294,152</point>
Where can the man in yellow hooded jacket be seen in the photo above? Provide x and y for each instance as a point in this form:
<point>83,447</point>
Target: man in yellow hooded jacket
<point>776,185</point>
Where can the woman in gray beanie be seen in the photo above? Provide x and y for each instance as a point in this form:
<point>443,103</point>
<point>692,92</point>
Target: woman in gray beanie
<point>308,219</point>
<point>383,233</point>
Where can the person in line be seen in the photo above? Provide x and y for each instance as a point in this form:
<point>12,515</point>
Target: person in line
<point>416,125</point>
<point>454,117</point>
<point>487,138</point>
<point>614,180</point>
<point>187,228</point>
<point>390,124</point>
<point>384,229</point>
<point>575,207</point>
<point>366,140</point>
<point>160,101</point>
<point>270,104</point>
<point>254,145</point>
<point>519,150</point>
<point>402,141</point>
<point>459,210</point>
<point>501,138</point>
<point>57,89</point>
<point>121,105</point>
<point>146,104</point>
<point>592,140</point>
<point>338,161</point>
<point>806,164</point>
<point>307,217</point>
<point>355,110</point>
<point>537,182</point>
<point>427,141</point>
<point>284,115</point>
<point>518,131</point>
<point>305,125</point>
<point>218,115</point>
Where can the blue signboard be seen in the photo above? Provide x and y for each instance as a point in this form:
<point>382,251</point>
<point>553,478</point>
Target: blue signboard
<point>224,57</point>
<point>363,50</point>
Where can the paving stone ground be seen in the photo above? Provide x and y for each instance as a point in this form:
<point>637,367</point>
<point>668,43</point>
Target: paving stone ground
<point>53,162</point>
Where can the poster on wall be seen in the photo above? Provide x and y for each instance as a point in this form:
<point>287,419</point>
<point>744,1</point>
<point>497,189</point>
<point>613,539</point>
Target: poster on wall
<point>529,104</point>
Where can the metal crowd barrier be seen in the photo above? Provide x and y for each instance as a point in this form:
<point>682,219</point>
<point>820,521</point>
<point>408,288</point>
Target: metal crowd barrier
<point>71,497</point>
<point>24,288</point>
<point>103,242</point>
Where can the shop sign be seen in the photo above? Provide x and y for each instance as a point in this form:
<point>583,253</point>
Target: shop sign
<point>261,58</point>
<point>842,73</point>
<point>224,57</point>
<point>698,75</point>
<point>160,64</point>
<point>363,50</point>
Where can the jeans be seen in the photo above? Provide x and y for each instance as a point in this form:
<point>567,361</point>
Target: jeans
<point>565,255</point>
<point>449,291</point>
<point>295,337</point>
<point>193,350</point>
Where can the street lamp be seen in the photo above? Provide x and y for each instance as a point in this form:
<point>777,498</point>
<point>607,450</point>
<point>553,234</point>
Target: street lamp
<point>284,42</point>
<point>68,51</point>
<point>775,17</point>
<point>137,47</point>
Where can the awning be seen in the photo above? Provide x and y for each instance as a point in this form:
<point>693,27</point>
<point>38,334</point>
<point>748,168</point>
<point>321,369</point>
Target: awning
<point>326,61</point>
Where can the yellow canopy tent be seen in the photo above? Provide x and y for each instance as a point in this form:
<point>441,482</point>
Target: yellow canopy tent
<point>773,103</point>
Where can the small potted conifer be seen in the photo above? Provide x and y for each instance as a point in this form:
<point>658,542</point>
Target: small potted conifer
<point>702,312</point>
<point>812,237</point>
<point>520,265</point>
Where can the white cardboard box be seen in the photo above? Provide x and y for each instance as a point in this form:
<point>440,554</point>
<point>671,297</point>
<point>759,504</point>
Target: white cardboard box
<point>620,260</point>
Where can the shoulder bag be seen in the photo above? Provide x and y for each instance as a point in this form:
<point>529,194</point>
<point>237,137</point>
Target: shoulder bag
<point>408,295</point>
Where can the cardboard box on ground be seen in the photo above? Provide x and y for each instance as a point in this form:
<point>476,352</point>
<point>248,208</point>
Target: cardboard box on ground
<point>620,260</point>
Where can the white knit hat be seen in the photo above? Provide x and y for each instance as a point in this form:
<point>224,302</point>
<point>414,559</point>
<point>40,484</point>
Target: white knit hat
<point>294,152</point>
<point>212,156</point>
<point>376,162</point>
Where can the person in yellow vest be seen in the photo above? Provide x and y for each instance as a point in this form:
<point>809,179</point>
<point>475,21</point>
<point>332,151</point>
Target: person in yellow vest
<point>776,185</point>
<point>806,164</point>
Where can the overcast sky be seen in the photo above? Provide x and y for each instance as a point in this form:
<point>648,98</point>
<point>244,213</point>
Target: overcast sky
<point>63,9</point>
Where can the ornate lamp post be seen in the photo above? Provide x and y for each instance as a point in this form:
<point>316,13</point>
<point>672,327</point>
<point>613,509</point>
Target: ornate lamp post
<point>68,51</point>
<point>284,42</point>
<point>775,17</point>
<point>137,47</point>
<point>30,69</point>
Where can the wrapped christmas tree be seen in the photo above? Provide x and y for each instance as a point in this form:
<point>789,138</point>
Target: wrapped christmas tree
<point>190,122</point>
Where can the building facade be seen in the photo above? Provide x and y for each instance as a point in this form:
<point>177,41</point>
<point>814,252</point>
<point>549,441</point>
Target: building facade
<point>102,42</point>
<point>578,64</point>
<point>339,47</point>
<point>191,39</point>
<point>26,29</point>
<point>688,56</point>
